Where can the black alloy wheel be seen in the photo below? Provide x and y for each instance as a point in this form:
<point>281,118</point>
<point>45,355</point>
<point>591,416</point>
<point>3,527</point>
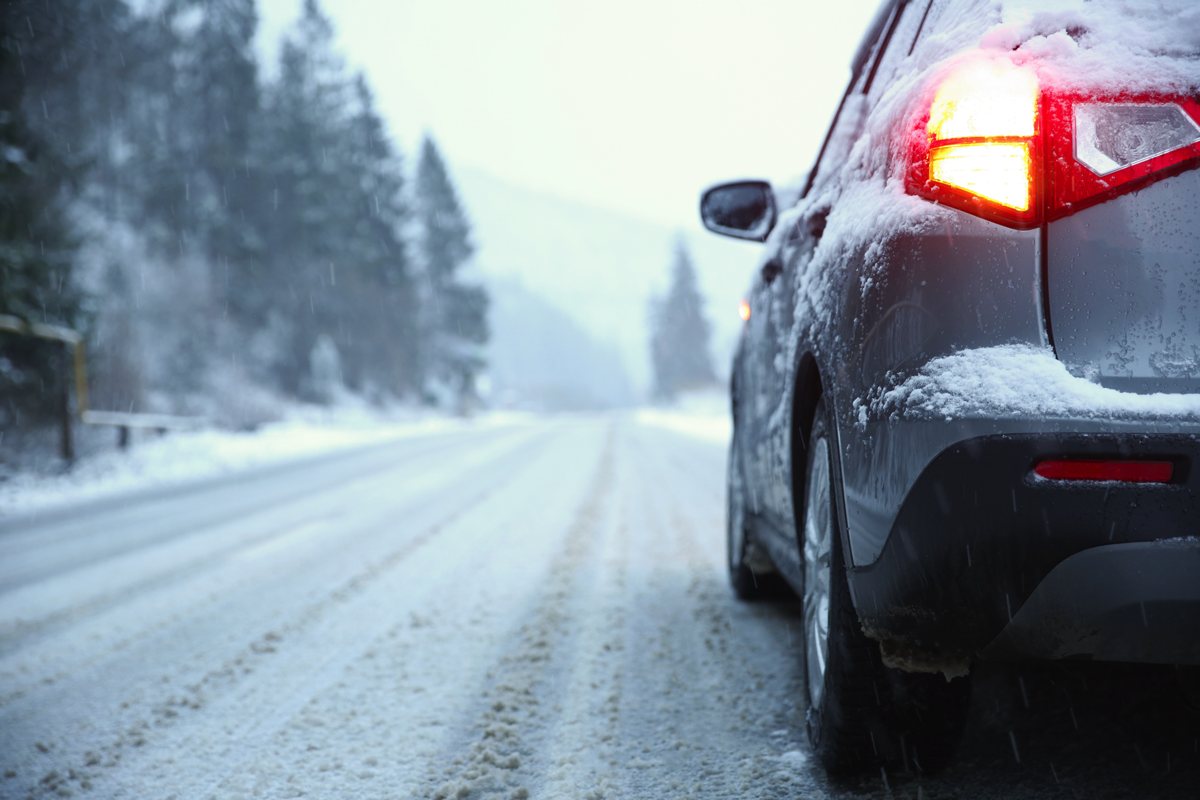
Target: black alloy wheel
<point>862,715</point>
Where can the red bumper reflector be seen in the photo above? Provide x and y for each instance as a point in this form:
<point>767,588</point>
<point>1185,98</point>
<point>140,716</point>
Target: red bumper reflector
<point>1125,471</point>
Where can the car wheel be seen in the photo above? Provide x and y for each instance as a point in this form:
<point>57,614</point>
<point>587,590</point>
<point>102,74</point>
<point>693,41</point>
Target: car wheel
<point>862,715</point>
<point>751,573</point>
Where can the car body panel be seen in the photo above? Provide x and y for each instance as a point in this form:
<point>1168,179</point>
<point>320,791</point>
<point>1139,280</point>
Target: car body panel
<point>1124,289</point>
<point>913,304</point>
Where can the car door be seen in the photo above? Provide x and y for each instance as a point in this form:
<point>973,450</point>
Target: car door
<point>755,391</point>
<point>778,369</point>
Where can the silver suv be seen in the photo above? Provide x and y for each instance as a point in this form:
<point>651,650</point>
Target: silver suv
<point>966,400</point>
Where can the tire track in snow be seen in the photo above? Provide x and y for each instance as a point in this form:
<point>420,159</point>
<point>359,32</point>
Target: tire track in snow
<point>152,592</point>
<point>712,703</point>
<point>407,701</point>
<point>582,756</point>
<point>502,754</point>
<point>72,525</point>
<point>217,539</point>
<point>163,710</point>
<point>631,678</point>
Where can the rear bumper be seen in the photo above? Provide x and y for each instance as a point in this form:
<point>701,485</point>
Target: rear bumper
<point>1121,602</point>
<point>978,536</point>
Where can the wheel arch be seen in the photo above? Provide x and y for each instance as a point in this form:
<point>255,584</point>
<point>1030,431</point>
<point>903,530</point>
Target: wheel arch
<point>809,387</point>
<point>806,393</point>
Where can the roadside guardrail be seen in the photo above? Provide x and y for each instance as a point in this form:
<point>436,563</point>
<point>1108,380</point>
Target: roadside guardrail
<point>123,421</point>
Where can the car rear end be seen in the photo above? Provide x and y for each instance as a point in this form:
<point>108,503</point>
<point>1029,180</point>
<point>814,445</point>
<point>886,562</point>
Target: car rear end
<point>1018,382</point>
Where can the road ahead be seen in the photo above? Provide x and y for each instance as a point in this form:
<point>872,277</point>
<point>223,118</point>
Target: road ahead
<point>534,611</point>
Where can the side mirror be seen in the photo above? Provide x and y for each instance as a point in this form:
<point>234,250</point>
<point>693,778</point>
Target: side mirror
<point>743,210</point>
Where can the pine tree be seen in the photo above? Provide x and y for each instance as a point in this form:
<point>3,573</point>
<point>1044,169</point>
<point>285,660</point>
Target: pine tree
<point>265,225</point>
<point>219,98</point>
<point>679,333</point>
<point>383,350</point>
<point>335,263</point>
<point>454,322</point>
<point>75,60</point>
<point>36,248</point>
<point>204,87</point>
<point>302,159</point>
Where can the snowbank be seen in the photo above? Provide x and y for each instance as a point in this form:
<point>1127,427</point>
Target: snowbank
<point>701,415</point>
<point>181,457</point>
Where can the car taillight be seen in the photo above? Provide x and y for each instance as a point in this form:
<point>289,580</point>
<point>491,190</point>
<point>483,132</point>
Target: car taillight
<point>1103,147</point>
<point>980,143</point>
<point>995,143</point>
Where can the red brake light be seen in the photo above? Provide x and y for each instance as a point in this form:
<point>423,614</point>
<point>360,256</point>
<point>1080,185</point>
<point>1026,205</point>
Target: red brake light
<point>996,144</point>
<point>1090,470</point>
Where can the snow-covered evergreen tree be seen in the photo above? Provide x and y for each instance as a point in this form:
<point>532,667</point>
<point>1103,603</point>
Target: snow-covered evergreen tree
<point>335,260</point>
<point>383,344</point>
<point>195,120</point>
<point>679,333</point>
<point>453,313</point>
<point>232,232</point>
<point>36,250</point>
<point>219,91</point>
<point>300,156</point>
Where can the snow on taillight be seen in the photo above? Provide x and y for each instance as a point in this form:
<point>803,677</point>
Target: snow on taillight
<point>995,143</point>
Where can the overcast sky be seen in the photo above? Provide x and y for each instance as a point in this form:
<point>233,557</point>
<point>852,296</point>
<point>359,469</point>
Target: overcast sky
<point>632,105</point>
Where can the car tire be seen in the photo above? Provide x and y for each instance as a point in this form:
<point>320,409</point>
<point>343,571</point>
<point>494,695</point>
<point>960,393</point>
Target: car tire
<point>862,715</point>
<point>751,574</point>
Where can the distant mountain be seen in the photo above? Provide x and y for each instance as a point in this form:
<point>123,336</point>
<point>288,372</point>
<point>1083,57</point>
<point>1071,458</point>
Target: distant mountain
<point>541,360</point>
<point>600,267</point>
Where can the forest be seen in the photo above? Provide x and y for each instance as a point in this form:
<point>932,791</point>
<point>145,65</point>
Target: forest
<point>222,241</point>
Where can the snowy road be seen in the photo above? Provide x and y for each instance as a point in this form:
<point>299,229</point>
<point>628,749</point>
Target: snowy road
<point>532,611</point>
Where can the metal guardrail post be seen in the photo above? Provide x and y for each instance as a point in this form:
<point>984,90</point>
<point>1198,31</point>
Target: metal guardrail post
<point>66,418</point>
<point>81,383</point>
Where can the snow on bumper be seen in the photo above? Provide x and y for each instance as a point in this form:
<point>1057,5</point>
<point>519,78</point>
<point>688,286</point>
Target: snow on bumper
<point>1015,382</point>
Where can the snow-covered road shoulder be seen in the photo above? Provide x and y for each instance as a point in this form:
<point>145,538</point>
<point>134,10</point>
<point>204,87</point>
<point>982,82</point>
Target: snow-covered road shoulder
<point>700,415</point>
<point>185,456</point>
